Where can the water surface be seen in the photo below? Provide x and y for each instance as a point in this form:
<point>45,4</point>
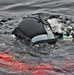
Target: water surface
<point>57,58</point>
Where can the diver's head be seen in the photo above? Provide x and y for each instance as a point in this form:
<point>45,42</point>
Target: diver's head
<point>34,30</point>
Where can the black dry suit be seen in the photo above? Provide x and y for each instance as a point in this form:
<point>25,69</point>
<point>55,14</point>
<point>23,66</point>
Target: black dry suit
<point>35,30</point>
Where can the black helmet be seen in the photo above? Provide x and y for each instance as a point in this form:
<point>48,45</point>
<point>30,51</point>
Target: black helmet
<point>35,30</point>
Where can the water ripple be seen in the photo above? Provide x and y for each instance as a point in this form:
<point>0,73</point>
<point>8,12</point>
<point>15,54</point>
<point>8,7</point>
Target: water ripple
<point>62,59</point>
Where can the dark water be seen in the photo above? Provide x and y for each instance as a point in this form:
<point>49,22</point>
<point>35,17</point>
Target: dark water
<point>19,8</point>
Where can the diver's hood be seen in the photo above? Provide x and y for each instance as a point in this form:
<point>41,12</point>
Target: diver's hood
<point>35,30</point>
<point>39,28</point>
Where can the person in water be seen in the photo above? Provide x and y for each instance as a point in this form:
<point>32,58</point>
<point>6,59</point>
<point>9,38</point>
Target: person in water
<point>38,29</point>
